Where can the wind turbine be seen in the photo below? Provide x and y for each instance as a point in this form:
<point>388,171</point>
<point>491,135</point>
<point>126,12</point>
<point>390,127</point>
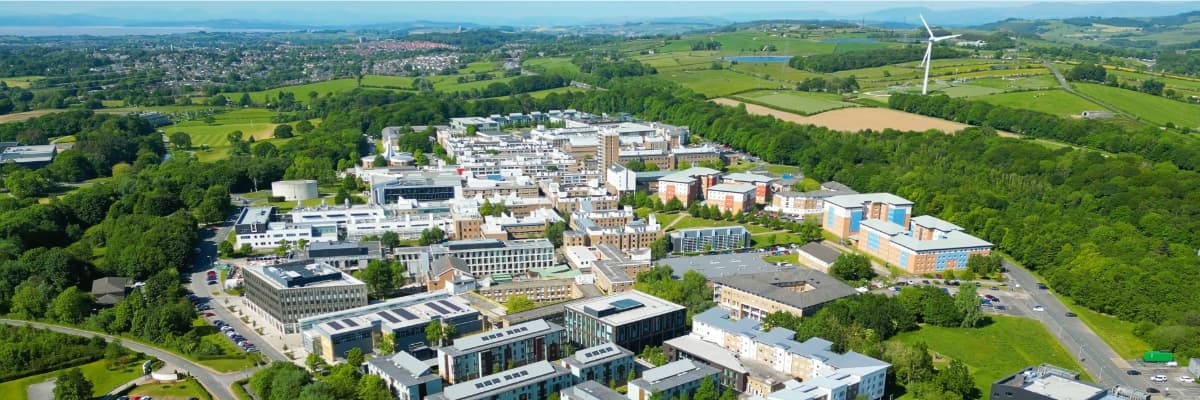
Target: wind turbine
<point>929,52</point>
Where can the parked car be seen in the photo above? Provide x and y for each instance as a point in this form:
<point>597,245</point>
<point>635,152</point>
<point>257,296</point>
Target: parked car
<point>1038,308</point>
<point>1071,314</point>
<point>1133,372</point>
<point>1158,378</point>
<point>1186,379</point>
<point>1041,286</point>
<point>208,314</point>
<point>995,288</point>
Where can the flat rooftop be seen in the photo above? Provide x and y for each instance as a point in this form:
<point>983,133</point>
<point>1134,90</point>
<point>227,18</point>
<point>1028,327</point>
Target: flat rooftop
<point>954,239</point>
<point>306,274</point>
<point>733,187</point>
<point>799,287</point>
<point>488,244</point>
<point>673,375</point>
<point>498,337</point>
<point>597,354</point>
<point>493,384</point>
<point>255,215</point>
<point>625,307</point>
<point>1054,383</point>
<point>592,390</point>
<point>857,200</point>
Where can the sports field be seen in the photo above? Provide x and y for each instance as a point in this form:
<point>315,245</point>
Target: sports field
<point>800,102</point>
<point>1057,102</point>
<point>1158,110</point>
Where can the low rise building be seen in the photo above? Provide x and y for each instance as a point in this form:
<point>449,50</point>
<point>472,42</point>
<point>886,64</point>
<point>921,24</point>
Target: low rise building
<point>818,256</point>
<point>482,354</point>
<point>536,380</point>
<point>613,268</point>
<point>762,185</point>
<point>295,190</point>
<point>256,227</point>
<point>606,363</point>
<point>844,213</point>
<point>851,374</point>
<point>506,227</point>
<point>405,317</point>
<point>590,390</point>
<point>32,157</point>
<point>688,185</point>
<point>346,256</point>
<point>333,340</point>
<point>801,204</point>
<point>797,291</point>
<point>735,198</point>
<point>480,257</point>
<point>710,239</point>
<point>537,290</point>
<point>743,375</point>
<point>678,379</point>
<point>929,245</point>
<point>417,186</point>
<point>631,319</point>
<point>407,377</point>
<point>1048,382</point>
<point>285,293</point>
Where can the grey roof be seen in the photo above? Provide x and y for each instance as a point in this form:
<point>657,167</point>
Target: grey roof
<point>932,222</point>
<point>678,178</point>
<point>708,351</point>
<point>836,186</point>
<point>712,266</point>
<point>110,285</point>
<point>496,337</point>
<point>343,249</point>
<point>444,264</point>
<point>782,338</point>
<point>255,215</point>
<point>822,252</point>
<point>673,375</point>
<point>591,390</point>
<point>732,187</point>
<point>625,307</point>
<point>744,177</point>
<point>901,237</point>
<point>597,354</point>
<point>403,368</point>
<point>768,285</point>
<point>857,200</point>
<point>493,384</point>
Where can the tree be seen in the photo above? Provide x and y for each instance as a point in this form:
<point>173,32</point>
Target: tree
<point>315,363</point>
<point>439,333</point>
<point>1154,87</point>
<point>372,387</point>
<point>23,183</point>
<point>181,140</point>
<point>554,233</point>
<point>283,131</point>
<point>387,343</point>
<point>674,204</point>
<point>852,268</point>
<point>432,235</point>
<point>654,355</point>
<point>225,249</point>
<point>71,306</point>
<point>390,240</point>
<point>707,390</point>
<point>281,248</point>
<point>419,157</point>
<point>984,265</point>
<point>72,385</point>
<point>355,357</point>
<point>1087,73</point>
<point>659,248</point>
<point>912,363</point>
<point>517,303</point>
<point>967,303</point>
<point>956,378</point>
<point>245,100</point>
<point>381,277</point>
<point>304,126</point>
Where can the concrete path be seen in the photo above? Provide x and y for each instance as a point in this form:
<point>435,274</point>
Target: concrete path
<point>41,390</point>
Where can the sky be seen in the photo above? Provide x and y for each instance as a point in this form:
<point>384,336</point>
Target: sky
<point>559,12</point>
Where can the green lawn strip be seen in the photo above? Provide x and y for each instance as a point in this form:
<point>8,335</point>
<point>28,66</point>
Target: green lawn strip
<point>1159,110</point>
<point>1008,345</point>
<point>182,390</point>
<point>103,379</point>
<point>239,391</point>
<point>1057,102</point>
<point>799,102</point>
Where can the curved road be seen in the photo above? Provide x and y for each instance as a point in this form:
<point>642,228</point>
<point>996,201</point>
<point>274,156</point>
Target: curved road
<point>216,383</point>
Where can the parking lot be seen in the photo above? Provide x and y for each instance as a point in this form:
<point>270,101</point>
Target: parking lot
<point>1172,388</point>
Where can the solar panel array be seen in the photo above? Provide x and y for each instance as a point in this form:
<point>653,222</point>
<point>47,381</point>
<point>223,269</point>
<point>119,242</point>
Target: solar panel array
<point>404,313</point>
<point>449,305</point>
<point>498,335</point>
<point>349,322</point>
<point>437,308</point>
<point>597,352</point>
<point>496,381</point>
<point>335,325</point>
<point>387,317</point>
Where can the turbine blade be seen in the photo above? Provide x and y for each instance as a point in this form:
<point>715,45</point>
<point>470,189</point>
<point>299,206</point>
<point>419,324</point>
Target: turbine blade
<point>938,39</point>
<point>926,26</point>
<point>925,61</point>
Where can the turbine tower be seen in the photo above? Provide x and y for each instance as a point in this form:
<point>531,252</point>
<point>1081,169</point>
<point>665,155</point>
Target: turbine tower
<point>929,52</point>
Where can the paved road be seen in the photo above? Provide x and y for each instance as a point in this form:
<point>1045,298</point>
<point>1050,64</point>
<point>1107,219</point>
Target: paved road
<point>215,382</point>
<point>201,263</point>
<point>1104,365</point>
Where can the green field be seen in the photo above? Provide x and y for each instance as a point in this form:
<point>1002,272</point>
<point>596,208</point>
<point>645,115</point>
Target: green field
<point>390,82</point>
<point>302,91</point>
<point>172,391</point>
<point>1152,108</point>
<point>449,83</point>
<point>21,81</point>
<point>253,122</point>
<point>103,379</point>
<point>753,42</point>
<point>807,103</point>
<point>209,334</point>
<point>1006,346</point>
<point>717,83</point>
<point>1057,102</point>
<point>554,65</point>
<point>480,66</point>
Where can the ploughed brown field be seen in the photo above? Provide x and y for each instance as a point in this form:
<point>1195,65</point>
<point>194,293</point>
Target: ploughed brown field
<point>855,119</point>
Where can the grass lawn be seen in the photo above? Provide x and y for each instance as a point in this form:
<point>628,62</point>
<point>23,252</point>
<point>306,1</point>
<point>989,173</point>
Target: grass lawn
<point>210,334</point>
<point>794,101</point>
<point>1117,333</point>
<point>253,122</point>
<point>1057,102</point>
<point>103,379</point>
<point>961,90</point>
<point>1158,110</point>
<point>172,391</point>
<point>716,83</point>
<point>21,81</point>
<point>764,240</point>
<point>384,81</point>
<point>1008,345</point>
<point>554,65</point>
<point>449,83</point>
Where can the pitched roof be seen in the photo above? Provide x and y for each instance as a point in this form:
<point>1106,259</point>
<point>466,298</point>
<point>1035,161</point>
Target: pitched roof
<point>821,252</point>
<point>110,285</point>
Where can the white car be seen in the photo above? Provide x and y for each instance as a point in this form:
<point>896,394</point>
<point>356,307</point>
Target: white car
<point>1038,308</point>
<point>1158,378</point>
<point>1186,379</point>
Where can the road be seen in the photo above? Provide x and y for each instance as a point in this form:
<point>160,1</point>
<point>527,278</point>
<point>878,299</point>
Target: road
<point>1062,81</point>
<point>1100,361</point>
<point>216,383</point>
<point>201,264</point>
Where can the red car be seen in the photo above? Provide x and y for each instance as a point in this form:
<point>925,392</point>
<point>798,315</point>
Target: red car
<point>208,314</point>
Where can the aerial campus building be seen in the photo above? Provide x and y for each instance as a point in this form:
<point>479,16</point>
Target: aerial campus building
<point>882,225</point>
<point>631,319</point>
<point>536,380</point>
<point>709,239</point>
<point>405,317</point>
<point>481,257</point>
<point>1047,382</point>
<point>408,377</point>
<point>797,291</point>
<point>285,293</point>
<point>606,363</point>
<point>486,353</point>
<point>678,379</point>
